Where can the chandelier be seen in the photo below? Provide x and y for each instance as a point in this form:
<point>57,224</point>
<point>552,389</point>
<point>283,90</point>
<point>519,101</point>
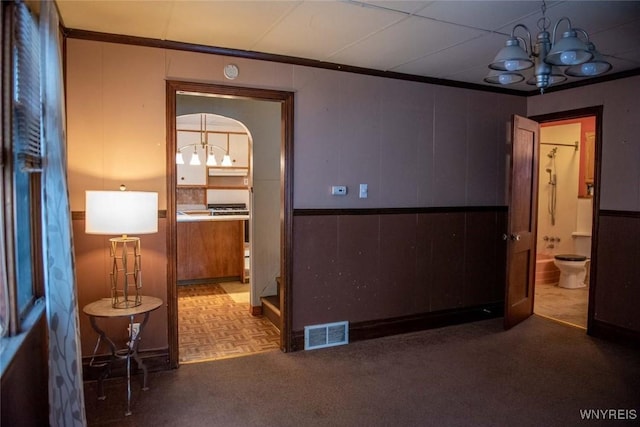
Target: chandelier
<point>208,149</point>
<point>578,57</point>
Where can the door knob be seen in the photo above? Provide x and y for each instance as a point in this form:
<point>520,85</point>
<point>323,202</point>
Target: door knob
<point>511,236</point>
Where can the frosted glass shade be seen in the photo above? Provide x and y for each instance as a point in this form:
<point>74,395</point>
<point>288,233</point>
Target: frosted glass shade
<point>121,212</point>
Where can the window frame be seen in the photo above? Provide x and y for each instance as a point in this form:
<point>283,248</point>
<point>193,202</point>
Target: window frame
<point>21,294</point>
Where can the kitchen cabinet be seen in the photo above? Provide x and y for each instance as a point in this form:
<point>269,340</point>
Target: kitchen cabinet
<point>210,250</point>
<point>239,150</point>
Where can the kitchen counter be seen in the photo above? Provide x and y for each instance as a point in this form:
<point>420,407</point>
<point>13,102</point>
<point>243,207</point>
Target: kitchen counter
<point>182,217</point>
<point>210,247</point>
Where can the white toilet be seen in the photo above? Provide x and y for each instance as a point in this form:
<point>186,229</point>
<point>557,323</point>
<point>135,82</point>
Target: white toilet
<point>573,266</point>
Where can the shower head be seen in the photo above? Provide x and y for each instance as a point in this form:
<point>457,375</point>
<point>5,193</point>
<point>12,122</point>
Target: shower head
<point>548,170</point>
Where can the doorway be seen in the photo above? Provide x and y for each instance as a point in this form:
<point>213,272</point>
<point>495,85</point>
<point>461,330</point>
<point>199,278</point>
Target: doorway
<point>214,213</point>
<point>568,184</point>
<point>270,268</point>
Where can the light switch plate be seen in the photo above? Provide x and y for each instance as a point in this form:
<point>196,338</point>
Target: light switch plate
<point>364,191</point>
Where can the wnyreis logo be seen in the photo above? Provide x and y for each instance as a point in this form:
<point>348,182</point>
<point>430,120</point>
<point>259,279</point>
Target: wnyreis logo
<point>608,414</point>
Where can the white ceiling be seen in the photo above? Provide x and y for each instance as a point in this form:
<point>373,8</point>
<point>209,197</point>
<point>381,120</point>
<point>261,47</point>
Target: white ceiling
<point>452,40</point>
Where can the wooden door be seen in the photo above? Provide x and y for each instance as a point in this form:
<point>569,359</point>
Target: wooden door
<point>522,221</point>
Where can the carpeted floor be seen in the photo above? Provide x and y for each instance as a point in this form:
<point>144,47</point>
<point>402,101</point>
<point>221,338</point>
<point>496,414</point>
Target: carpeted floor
<point>540,373</point>
<point>214,323</point>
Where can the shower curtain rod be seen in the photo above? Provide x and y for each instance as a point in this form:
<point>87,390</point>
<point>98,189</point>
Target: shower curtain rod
<point>574,145</point>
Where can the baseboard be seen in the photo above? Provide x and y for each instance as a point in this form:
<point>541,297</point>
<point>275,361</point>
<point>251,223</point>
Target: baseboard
<point>360,331</point>
<point>614,333</point>
<point>154,360</point>
<point>256,310</point>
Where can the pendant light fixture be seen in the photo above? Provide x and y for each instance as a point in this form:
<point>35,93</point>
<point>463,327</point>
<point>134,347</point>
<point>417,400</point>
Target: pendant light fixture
<point>207,147</point>
<point>546,56</point>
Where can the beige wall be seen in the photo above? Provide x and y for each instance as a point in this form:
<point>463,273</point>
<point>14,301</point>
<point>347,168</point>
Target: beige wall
<point>414,144</point>
<point>620,186</point>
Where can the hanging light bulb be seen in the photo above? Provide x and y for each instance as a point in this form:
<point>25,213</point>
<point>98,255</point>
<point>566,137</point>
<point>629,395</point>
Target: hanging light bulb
<point>179,158</point>
<point>211,158</point>
<point>503,78</point>
<point>595,66</point>
<point>226,160</point>
<point>195,160</point>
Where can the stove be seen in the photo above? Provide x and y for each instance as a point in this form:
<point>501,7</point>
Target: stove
<point>228,209</point>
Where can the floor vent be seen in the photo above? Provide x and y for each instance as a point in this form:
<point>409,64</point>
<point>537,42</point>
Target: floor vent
<point>327,335</point>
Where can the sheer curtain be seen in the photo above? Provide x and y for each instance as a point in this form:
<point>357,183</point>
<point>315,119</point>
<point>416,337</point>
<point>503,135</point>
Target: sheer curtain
<point>66,398</point>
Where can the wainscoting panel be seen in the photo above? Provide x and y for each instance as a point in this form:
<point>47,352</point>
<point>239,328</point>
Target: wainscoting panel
<point>618,271</point>
<point>371,265</point>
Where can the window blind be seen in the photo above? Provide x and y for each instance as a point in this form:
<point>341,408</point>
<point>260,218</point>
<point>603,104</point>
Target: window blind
<point>27,105</point>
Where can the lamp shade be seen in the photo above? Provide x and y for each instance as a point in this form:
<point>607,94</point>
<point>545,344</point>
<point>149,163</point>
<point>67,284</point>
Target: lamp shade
<point>121,212</point>
<point>596,66</point>
<point>569,50</point>
<point>511,57</point>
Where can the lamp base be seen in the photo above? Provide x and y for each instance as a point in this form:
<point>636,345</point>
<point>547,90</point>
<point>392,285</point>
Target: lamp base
<point>129,303</point>
<point>126,273</point>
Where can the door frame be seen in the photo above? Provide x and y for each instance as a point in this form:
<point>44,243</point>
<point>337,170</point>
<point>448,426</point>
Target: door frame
<point>596,111</point>
<point>286,100</point>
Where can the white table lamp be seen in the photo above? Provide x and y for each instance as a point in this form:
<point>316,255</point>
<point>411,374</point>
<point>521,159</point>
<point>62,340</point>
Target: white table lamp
<point>123,213</point>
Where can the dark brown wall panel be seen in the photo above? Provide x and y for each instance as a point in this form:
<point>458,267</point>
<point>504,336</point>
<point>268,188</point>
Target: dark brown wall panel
<point>618,271</point>
<point>358,291</point>
<point>424,263</point>
<point>399,290</point>
<point>365,266</point>
<point>448,260</point>
<point>484,263</point>
<point>315,257</point>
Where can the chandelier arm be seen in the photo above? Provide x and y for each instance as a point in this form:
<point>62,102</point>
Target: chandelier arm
<point>555,27</point>
<point>205,145</point>
<point>527,47</point>
<point>586,35</point>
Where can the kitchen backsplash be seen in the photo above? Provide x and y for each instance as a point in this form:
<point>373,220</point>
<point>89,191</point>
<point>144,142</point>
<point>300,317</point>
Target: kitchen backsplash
<point>228,196</point>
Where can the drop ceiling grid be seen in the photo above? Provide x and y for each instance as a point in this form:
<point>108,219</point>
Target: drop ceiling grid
<point>226,24</point>
<point>140,19</point>
<point>321,28</point>
<point>487,15</point>
<point>448,62</point>
<point>414,38</point>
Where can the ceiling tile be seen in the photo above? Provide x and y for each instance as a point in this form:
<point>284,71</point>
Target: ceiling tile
<point>407,41</point>
<point>479,51</point>
<point>316,29</point>
<point>230,24</point>
<point>134,18</point>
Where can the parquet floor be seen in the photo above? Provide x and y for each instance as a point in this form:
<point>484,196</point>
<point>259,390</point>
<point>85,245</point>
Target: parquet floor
<point>211,325</point>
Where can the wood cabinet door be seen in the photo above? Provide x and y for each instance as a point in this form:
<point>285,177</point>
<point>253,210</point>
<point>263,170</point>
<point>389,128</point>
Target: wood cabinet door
<point>239,150</point>
<point>210,250</point>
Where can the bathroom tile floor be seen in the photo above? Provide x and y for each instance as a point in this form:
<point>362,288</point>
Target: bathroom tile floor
<point>214,324</point>
<point>566,305</point>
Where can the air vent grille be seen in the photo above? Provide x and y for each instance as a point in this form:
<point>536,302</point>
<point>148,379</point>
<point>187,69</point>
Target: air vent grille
<point>326,335</point>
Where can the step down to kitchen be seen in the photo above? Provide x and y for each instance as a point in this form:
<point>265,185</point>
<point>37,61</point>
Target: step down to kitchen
<point>271,306</point>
